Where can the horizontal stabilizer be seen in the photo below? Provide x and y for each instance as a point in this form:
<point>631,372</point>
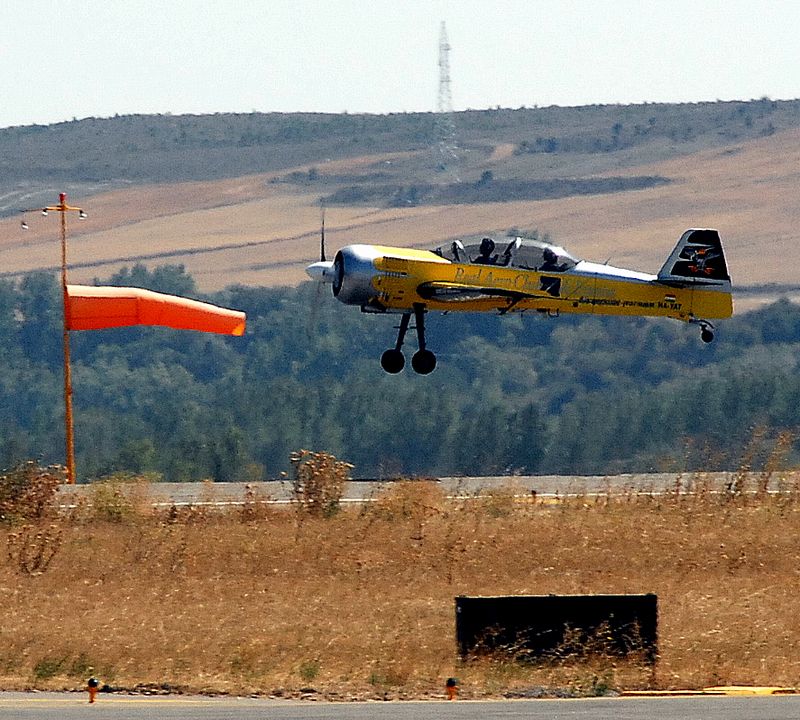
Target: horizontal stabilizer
<point>96,308</point>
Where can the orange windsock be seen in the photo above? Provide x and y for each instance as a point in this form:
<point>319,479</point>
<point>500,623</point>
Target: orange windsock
<point>95,308</point>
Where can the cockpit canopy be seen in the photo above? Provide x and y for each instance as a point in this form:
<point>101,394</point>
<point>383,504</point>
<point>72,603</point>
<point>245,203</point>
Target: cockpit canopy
<point>508,252</point>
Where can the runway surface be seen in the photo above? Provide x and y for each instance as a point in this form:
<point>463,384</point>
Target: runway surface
<point>280,491</point>
<point>74,706</point>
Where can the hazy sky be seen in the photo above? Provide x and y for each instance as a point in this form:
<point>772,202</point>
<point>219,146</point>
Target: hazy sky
<point>81,58</point>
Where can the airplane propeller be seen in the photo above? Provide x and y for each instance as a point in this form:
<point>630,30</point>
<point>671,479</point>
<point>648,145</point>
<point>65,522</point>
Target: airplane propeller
<point>322,272</point>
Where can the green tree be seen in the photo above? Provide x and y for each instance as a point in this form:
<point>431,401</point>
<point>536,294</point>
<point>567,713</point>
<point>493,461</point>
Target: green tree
<point>170,279</point>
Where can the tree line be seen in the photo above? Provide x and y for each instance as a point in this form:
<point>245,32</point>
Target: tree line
<point>522,394</point>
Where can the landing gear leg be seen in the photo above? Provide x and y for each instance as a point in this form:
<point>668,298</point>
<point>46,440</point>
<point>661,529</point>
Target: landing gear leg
<point>423,361</point>
<point>393,361</point>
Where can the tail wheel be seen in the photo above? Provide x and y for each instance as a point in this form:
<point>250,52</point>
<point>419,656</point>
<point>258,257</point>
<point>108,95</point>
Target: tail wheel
<point>706,335</point>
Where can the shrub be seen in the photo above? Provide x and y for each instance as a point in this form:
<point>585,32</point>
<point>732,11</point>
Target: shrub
<point>32,547</point>
<point>318,482</point>
<point>409,499</point>
<point>309,670</point>
<point>255,506</point>
<point>109,501</point>
<point>27,491</point>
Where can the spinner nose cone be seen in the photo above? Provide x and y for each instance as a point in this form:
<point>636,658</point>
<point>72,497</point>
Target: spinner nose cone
<point>321,271</point>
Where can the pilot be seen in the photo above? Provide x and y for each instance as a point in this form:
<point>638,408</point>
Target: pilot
<point>486,256</point>
<point>550,263</point>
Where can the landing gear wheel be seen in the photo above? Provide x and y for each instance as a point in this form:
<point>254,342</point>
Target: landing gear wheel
<point>392,361</point>
<point>423,362</point>
<point>706,335</point>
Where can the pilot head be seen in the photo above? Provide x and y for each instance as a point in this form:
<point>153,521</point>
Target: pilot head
<point>487,246</point>
<point>549,255</point>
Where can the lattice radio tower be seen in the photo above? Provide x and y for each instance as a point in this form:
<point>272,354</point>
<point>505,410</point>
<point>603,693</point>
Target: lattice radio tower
<point>445,127</point>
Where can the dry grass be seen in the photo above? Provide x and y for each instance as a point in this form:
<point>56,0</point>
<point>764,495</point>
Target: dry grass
<point>361,604</point>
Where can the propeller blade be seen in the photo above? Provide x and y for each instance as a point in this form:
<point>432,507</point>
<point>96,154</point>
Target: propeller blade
<point>322,237</point>
<point>321,271</point>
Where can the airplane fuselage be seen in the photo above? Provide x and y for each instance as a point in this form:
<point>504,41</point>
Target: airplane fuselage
<point>401,275</point>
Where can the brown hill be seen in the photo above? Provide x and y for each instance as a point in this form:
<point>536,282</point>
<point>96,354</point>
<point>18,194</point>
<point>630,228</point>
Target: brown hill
<point>256,230</point>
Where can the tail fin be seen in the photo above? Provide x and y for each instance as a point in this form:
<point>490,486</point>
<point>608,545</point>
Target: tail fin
<point>698,259</point>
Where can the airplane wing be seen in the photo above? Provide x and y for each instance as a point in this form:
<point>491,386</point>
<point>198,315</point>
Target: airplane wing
<point>459,292</point>
<point>97,307</point>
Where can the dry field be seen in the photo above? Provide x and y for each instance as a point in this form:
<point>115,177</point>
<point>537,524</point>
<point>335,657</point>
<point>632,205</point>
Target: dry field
<point>249,231</point>
<point>359,605</point>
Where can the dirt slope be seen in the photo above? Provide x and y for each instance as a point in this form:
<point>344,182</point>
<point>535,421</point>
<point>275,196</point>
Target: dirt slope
<point>251,231</point>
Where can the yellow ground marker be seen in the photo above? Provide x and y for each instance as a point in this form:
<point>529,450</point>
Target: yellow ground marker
<point>746,690</point>
<point>716,690</point>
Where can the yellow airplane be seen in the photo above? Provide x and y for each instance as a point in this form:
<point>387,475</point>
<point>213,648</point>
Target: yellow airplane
<point>523,274</point>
